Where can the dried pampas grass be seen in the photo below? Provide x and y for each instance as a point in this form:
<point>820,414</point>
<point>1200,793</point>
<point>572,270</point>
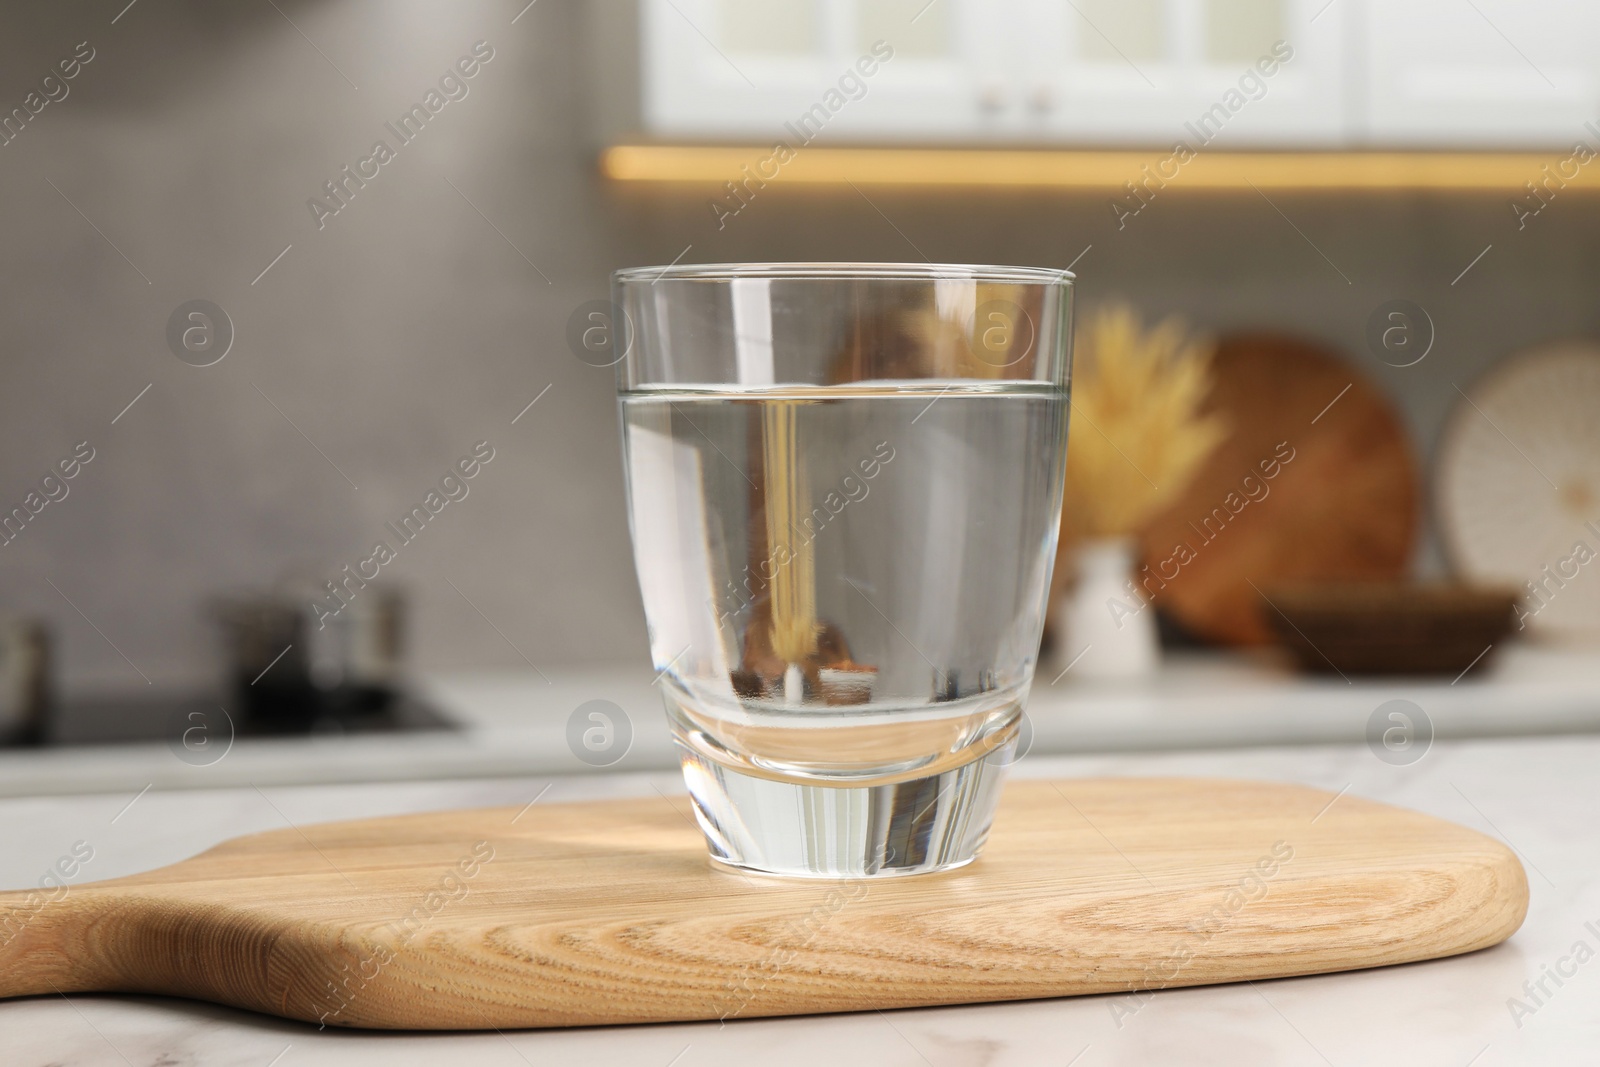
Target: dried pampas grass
<point>1137,433</point>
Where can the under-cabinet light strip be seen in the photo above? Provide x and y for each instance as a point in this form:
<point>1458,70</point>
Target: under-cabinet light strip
<point>1506,172</point>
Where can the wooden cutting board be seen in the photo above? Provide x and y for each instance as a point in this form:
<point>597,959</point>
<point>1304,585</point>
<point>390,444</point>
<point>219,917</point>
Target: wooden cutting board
<point>583,914</point>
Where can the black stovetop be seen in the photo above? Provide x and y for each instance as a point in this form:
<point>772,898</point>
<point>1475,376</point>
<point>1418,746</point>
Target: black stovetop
<point>189,718</point>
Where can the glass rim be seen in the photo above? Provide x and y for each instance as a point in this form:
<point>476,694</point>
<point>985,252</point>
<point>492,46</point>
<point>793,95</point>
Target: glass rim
<point>723,272</point>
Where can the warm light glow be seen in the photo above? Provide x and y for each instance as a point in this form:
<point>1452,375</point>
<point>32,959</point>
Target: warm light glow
<point>1103,171</point>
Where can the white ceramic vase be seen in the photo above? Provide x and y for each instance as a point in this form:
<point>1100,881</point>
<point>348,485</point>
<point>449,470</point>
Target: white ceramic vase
<point>1110,629</point>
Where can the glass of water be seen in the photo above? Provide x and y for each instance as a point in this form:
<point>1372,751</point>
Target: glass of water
<point>844,488</point>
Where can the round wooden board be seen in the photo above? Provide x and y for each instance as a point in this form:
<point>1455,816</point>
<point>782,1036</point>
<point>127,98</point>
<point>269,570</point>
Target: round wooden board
<point>1341,501</point>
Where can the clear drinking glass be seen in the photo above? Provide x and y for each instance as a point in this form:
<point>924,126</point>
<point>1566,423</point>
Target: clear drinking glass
<point>844,489</point>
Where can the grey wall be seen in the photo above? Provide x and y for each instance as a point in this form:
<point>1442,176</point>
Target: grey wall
<point>408,327</point>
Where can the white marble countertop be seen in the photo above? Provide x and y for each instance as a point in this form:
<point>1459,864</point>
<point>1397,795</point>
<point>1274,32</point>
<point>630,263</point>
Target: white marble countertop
<point>1537,794</point>
<point>514,723</point>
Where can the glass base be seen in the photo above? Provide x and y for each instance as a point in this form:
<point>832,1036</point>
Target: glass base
<point>809,830</point>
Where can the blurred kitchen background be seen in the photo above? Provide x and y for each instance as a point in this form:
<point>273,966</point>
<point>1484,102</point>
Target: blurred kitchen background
<point>375,347</point>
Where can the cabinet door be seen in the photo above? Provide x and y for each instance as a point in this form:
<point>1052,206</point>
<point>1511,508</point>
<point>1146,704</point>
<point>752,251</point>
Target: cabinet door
<point>847,69</point>
<point>1245,73</point>
<point>1488,73</point>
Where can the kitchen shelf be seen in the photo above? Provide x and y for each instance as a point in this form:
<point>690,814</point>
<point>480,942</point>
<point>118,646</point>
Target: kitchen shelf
<point>1089,171</point>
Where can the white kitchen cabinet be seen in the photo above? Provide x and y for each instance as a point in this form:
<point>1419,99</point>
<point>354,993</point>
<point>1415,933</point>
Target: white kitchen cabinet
<point>726,69</point>
<point>1101,71</point>
<point>1481,73</point>
<point>1389,73</point>
<point>1244,73</point>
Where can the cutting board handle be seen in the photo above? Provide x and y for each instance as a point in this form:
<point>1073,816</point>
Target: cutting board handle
<point>43,949</point>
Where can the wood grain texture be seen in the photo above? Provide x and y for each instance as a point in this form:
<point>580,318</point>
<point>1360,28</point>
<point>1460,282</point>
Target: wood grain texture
<point>600,913</point>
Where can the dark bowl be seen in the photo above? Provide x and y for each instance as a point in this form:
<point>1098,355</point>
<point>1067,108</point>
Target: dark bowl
<point>1389,627</point>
